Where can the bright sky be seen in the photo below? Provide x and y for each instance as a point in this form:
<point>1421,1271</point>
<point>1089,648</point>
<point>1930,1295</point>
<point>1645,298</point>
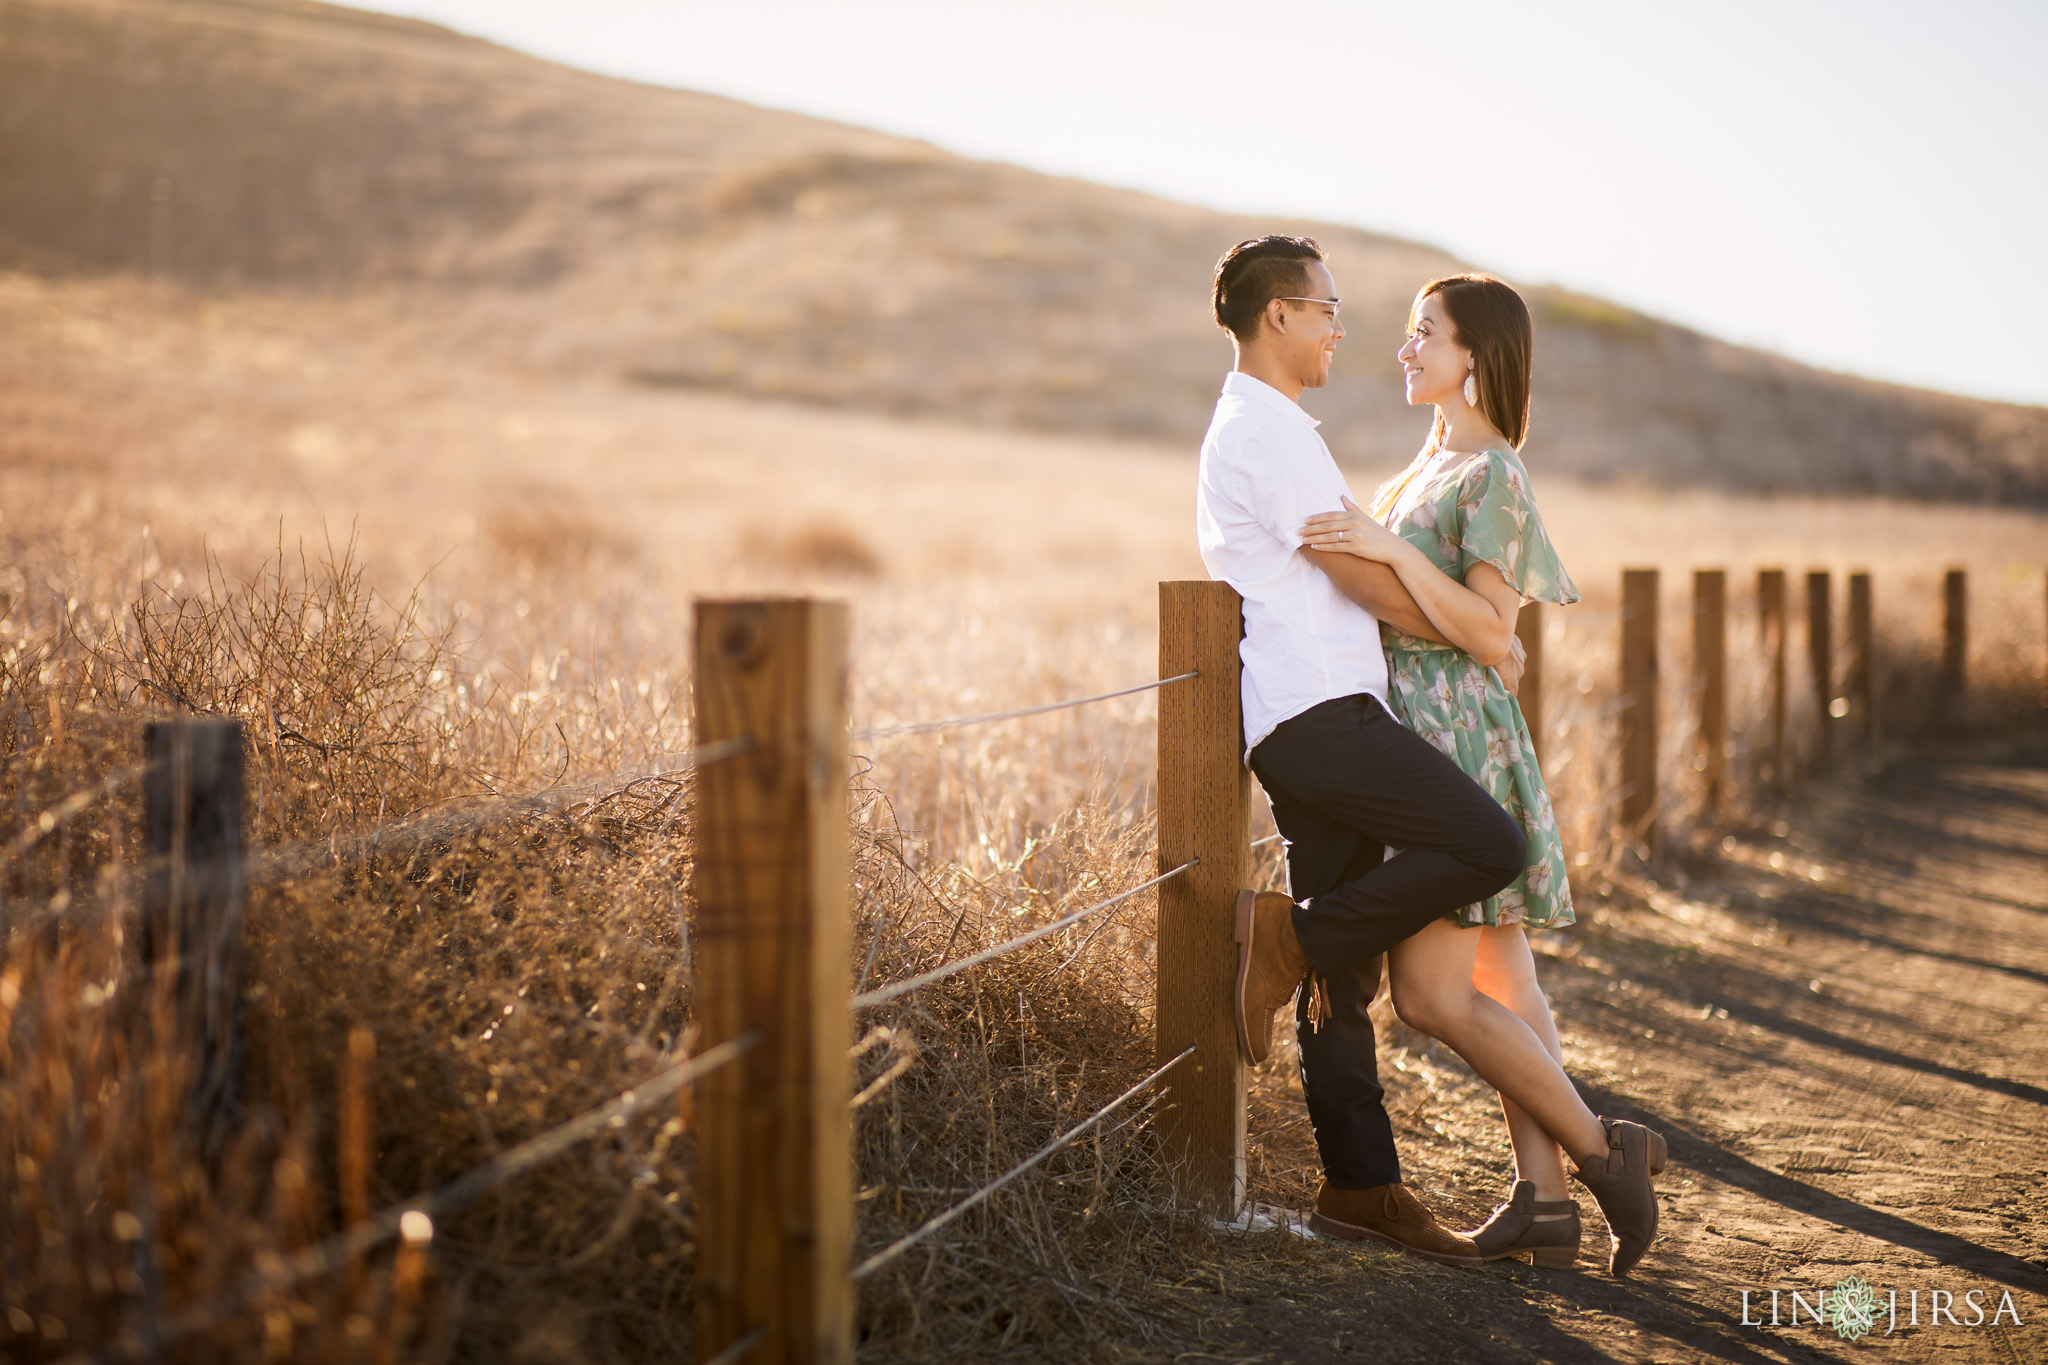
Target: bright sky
<point>1863,186</point>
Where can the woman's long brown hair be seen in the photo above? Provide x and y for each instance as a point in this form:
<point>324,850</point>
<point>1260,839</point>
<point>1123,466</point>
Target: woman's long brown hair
<point>1492,322</point>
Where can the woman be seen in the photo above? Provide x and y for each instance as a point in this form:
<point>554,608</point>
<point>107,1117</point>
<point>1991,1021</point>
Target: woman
<point>1461,530</point>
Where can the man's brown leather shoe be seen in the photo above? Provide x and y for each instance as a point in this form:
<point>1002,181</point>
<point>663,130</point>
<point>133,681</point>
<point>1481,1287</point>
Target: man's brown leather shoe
<point>1270,967</point>
<point>1392,1216</point>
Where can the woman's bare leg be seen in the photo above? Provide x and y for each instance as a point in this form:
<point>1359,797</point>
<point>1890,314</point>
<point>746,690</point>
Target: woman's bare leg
<point>1505,970</point>
<point>1432,979</point>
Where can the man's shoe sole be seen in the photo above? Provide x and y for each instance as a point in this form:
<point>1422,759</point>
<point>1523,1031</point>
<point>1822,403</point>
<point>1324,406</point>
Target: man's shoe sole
<point>1247,902</point>
<point>1350,1232</point>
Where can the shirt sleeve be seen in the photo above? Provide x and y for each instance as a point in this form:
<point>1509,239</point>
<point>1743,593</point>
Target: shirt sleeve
<point>1285,482</point>
<point>1502,528</point>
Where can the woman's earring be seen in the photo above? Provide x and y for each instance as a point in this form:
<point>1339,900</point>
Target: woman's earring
<point>1472,389</point>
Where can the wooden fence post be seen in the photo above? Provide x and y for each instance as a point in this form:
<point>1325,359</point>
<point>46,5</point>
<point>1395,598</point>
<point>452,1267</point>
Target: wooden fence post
<point>1955,646</point>
<point>1710,671</point>
<point>774,1188</point>
<point>1639,706</point>
<point>355,1127</point>
<point>1859,680</point>
<point>1771,633</point>
<point>1529,630</point>
<point>1820,657</point>
<point>1204,812</point>
<point>191,923</point>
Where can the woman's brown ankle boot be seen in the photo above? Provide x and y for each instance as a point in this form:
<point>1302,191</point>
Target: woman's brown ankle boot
<point>1517,1229</point>
<point>1621,1185</point>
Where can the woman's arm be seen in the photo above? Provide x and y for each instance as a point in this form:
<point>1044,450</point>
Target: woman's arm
<point>1478,615</point>
<point>1378,589</point>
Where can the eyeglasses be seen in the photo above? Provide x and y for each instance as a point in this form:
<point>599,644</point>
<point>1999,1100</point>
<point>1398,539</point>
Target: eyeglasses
<point>1333,304</point>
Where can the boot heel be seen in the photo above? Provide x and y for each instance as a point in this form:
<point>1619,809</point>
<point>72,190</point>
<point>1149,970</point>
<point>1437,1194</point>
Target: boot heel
<point>1660,1153</point>
<point>1555,1258</point>
<point>1247,903</point>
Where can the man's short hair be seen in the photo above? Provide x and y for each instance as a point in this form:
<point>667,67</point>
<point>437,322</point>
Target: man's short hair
<point>1254,273</point>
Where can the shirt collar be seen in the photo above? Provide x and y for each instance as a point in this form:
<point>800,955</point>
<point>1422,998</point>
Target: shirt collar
<point>1259,391</point>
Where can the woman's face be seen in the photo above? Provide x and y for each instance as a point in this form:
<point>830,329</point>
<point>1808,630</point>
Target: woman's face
<point>1433,364</point>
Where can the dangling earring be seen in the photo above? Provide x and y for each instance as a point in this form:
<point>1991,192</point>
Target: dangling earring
<point>1472,389</point>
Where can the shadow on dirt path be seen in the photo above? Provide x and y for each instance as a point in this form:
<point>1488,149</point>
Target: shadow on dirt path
<point>1843,1030</point>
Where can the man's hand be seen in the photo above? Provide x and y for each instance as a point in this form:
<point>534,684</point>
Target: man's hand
<point>1510,668</point>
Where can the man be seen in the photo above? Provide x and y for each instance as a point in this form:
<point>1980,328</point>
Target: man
<point>1346,779</point>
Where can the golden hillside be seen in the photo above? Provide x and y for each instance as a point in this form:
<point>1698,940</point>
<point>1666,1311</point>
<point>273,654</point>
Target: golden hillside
<point>526,212</point>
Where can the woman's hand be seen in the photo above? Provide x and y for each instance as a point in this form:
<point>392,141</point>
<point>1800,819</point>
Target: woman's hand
<point>1352,532</point>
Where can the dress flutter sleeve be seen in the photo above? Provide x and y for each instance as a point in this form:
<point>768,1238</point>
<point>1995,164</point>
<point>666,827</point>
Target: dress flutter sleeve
<point>1502,528</point>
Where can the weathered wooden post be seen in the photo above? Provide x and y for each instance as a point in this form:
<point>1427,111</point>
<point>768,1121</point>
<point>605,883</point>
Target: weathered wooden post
<point>774,1191</point>
<point>1771,634</point>
<point>1820,658</point>
<point>1639,706</point>
<point>1710,675</point>
<point>1204,812</point>
<point>354,1125</point>
<point>1859,682</point>
<point>192,899</point>
<point>1955,646</point>
<point>1529,630</point>
<point>354,1140</point>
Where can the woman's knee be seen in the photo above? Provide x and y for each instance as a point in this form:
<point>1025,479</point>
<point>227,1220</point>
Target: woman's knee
<point>1429,1007</point>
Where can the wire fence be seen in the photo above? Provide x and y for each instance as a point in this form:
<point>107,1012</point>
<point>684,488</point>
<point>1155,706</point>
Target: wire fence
<point>47,820</point>
<point>957,722</point>
<point>940,1222</point>
<point>881,995</point>
<point>436,826</point>
<point>400,838</point>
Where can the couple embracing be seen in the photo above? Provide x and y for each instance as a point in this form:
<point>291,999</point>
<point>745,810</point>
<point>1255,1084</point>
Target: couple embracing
<point>1379,667</point>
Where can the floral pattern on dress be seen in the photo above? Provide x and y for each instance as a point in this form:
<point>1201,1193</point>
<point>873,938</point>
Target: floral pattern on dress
<point>1461,510</point>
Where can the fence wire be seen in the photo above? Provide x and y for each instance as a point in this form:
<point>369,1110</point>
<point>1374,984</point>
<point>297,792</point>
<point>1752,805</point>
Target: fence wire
<point>46,822</point>
<point>980,1196</point>
<point>326,1257</point>
<point>281,862</point>
<point>883,994</point>
<point>925,726</point>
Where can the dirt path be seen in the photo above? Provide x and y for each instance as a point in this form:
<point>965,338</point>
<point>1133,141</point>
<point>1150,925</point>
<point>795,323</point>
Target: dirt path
<point>1842,1025</point>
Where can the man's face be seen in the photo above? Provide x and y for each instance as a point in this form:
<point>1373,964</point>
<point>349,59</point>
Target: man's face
<point>1307,334</point>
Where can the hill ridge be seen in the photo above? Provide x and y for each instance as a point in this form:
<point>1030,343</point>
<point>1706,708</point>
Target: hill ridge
<point>568,220</point>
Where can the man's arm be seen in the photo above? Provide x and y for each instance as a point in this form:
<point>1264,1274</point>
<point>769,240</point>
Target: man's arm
<point>1378,589</point>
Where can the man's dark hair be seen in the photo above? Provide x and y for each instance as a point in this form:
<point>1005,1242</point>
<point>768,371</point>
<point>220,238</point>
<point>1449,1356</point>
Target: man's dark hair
<point>1254,273</point>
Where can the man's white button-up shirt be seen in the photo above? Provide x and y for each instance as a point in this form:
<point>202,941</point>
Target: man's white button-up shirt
<point>1264,471</point>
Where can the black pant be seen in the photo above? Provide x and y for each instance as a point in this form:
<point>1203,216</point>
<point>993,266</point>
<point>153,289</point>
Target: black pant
<point>1346,779</point>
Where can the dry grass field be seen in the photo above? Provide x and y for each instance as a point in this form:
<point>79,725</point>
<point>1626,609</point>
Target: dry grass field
<point>422,581</point>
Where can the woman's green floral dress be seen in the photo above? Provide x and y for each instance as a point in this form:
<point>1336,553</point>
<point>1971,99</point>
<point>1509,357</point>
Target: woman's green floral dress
<point>1462,509</point>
